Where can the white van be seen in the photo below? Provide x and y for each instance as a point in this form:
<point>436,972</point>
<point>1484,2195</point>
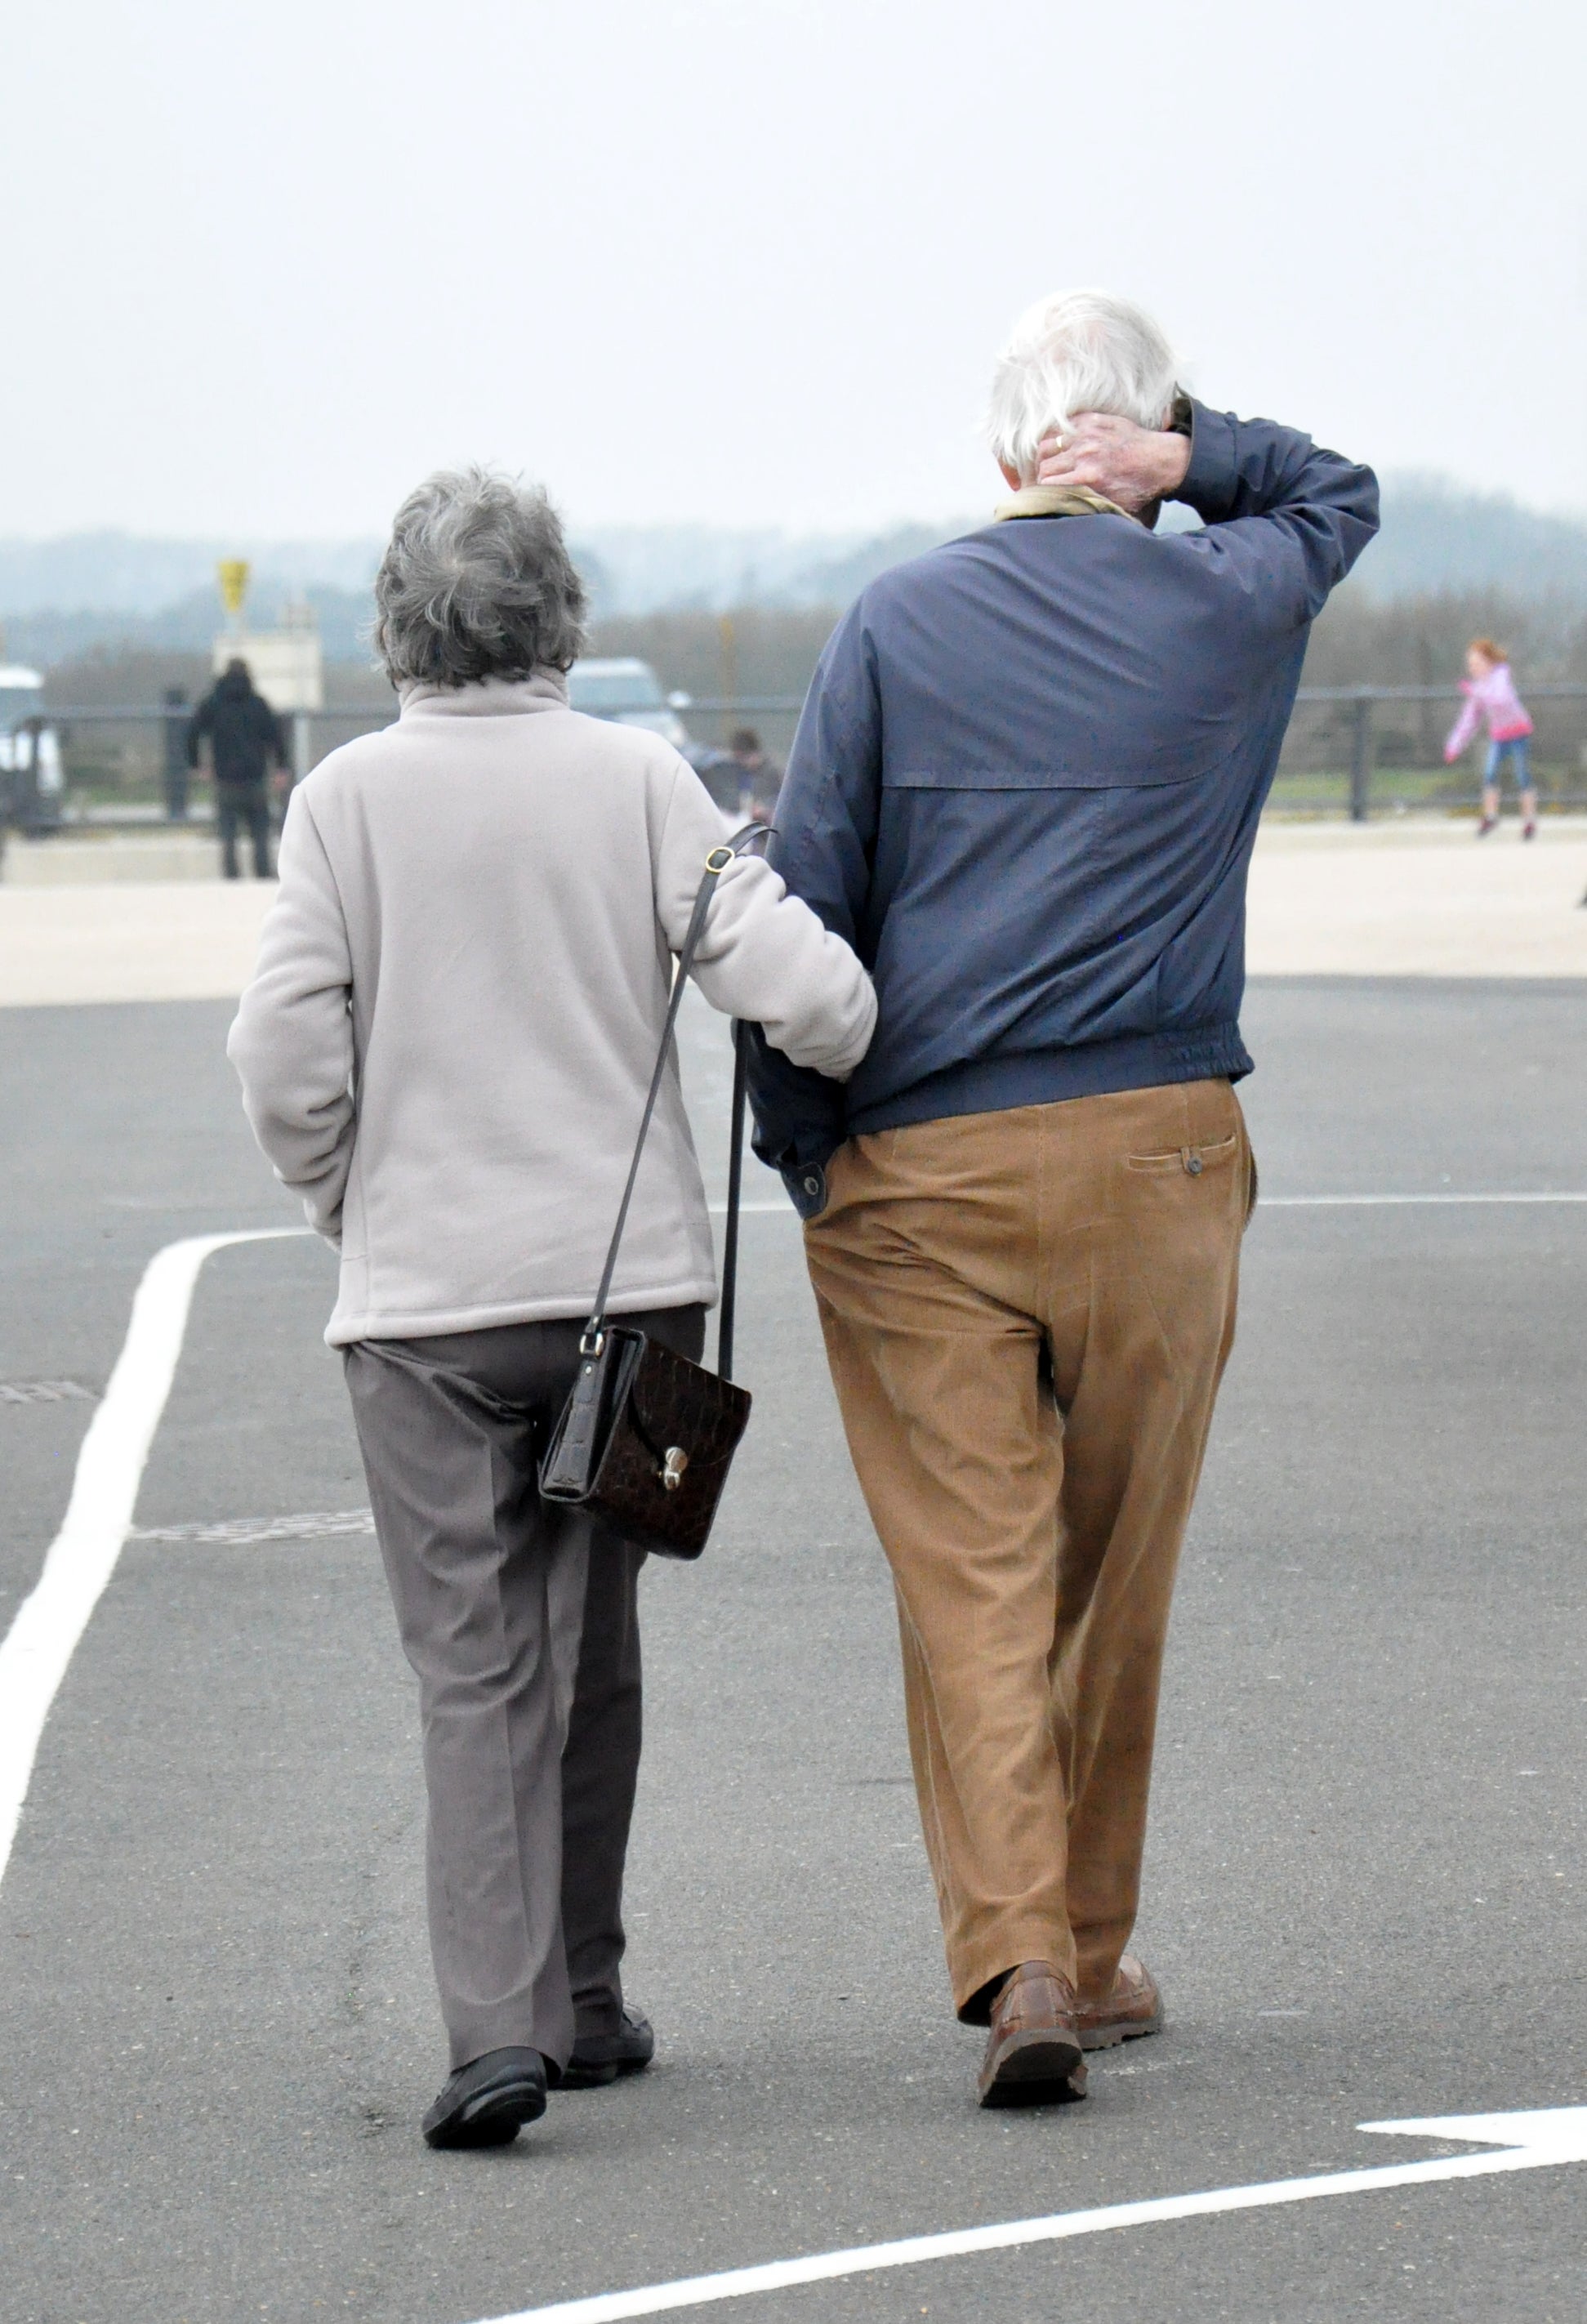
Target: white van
<point>31,779</point>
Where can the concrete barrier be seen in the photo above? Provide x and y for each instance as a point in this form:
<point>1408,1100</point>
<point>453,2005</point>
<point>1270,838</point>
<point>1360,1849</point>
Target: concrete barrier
<point>95,858</point>
<point>178,940</point>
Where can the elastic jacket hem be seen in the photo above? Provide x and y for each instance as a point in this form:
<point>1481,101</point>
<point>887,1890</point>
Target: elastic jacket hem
<point>1038,1077</point>
<point>372,1323</point>
<point>1044,1077</point>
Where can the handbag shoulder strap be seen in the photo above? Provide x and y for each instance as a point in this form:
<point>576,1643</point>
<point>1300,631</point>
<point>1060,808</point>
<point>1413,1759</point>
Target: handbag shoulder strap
<point>716,863</point>
<point>727,1305</point>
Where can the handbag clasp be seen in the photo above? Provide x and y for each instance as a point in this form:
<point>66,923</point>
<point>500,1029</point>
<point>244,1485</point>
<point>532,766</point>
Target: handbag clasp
<point>673,1467</point>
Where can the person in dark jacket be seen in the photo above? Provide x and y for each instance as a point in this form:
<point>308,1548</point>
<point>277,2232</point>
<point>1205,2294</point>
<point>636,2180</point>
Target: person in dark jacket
<point>760,777</point>
<point>743,779</point>
<point>246,740</point>
<point>1026,786</point>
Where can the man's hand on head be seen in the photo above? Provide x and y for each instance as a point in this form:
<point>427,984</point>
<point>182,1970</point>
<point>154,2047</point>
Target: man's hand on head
<point>1131,466</point>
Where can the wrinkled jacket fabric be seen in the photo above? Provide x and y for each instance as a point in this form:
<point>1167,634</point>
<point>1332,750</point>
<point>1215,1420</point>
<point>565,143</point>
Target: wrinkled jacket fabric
<point>1026,786</point>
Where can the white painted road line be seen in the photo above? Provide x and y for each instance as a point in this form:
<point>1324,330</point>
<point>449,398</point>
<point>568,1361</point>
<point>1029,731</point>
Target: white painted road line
<point>243,1533</point>
<point>1530,2142</point>
<point>81,1559</point>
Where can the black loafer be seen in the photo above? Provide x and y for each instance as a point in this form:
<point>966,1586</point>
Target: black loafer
<point>599,2057</point>
<point>487,2103</point>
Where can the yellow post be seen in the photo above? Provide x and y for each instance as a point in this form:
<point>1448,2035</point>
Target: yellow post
<point>232,573</point>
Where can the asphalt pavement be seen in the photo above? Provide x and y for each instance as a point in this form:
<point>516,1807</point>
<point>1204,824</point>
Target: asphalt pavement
<point>1367,1868</point>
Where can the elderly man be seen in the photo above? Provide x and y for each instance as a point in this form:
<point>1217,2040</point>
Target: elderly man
<point>1025,787</point>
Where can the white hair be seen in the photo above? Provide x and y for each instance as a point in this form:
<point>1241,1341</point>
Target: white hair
<point>1076,351</point>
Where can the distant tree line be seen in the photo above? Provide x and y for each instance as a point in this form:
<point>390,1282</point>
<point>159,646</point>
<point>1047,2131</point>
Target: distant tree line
<point>1360,641</point>
<point>758,650</point>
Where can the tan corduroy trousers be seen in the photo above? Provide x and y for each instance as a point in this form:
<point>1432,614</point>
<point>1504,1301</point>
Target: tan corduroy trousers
<point>1028,1314</point>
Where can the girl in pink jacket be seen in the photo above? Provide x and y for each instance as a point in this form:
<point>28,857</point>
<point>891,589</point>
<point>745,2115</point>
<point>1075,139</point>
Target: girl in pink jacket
<point>1490,695</point>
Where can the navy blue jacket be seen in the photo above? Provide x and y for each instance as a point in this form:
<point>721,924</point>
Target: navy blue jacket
<point>1026,785</point>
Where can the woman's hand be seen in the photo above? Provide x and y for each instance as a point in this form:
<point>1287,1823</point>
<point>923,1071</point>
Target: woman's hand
<point>1131,466</point>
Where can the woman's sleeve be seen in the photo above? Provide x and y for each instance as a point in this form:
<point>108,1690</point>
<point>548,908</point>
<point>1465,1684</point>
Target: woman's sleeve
<point>291,1042</point>
<point>764,955</point>
<point>1464,726</point>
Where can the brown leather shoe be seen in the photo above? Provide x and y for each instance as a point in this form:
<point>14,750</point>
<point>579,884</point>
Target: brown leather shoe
<point>1134,2007</point>
<point>1033,2052</point>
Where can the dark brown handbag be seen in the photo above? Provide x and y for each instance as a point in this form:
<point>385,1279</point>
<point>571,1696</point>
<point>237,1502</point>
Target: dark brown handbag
<point>646,1438</point>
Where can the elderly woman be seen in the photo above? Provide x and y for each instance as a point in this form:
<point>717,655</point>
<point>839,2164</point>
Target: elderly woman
<point>445,1051</point>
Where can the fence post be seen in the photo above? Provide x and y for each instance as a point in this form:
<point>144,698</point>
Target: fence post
<point>1361,758</point>
<point>175,769</point>
<point>301,746</point>
<point>727,670</point>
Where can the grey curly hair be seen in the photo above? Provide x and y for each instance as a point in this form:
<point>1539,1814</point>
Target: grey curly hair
<point>477,583</point>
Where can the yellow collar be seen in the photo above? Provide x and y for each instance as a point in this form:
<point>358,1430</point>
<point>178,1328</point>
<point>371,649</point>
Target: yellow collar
<point>1055,500</point>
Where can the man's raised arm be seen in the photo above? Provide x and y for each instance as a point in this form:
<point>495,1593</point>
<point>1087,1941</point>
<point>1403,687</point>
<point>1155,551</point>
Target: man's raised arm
<point>1289,517</point>
<point>1281,504</point>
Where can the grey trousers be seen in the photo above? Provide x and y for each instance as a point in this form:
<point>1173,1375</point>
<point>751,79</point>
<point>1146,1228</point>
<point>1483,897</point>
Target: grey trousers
<point>521,1622</point>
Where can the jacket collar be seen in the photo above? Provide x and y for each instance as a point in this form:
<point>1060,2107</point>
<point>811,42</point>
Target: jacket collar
<point>489,698</point>
<point>1055,500</point>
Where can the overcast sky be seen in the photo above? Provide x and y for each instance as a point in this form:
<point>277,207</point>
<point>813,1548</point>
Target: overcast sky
<point>747,259</point>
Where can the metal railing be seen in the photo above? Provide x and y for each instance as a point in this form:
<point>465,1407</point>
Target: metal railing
<point>1340,756</point>
<point>125,764</point>
<point>1343,752</point>
<point>1351,730</point>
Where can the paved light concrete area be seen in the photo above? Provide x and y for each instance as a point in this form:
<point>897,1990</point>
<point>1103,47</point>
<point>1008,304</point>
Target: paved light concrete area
<point>1406,897</point>
<point>129,941</point>
<point>1369,1856</point>
<point>1411,896</point>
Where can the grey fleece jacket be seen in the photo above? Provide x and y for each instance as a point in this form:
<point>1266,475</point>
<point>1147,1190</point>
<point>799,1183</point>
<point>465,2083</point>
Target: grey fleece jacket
<point>460,991</point>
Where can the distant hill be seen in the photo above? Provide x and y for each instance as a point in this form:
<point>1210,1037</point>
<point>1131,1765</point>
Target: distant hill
<point>62,598</point>
<point>187,625</point>
<point>112,591</point>
<point>128,573</point>
<point>1437,539</point>
<point>699,569</point>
